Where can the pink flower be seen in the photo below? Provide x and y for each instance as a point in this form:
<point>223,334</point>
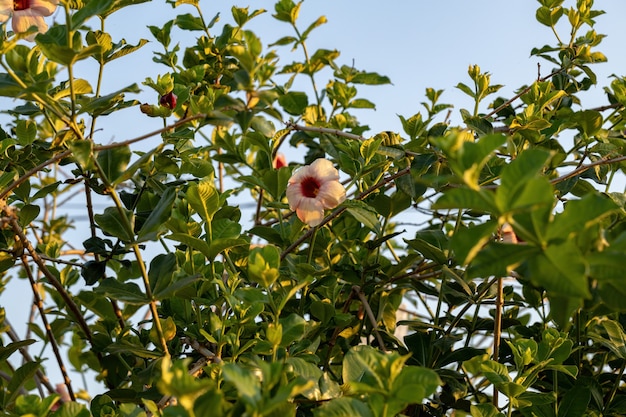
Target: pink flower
<point>279,161</point>
<point>314,188</point>
<point>27,13</point>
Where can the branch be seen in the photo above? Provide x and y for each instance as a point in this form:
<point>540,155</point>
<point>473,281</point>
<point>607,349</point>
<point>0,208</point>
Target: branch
<point>12,220</point>
<point>337,132</point>
<point>68,152</point>
<point>46,324</point>
<point>521,93</point>
<point>370,315</point>
<point>584,168</point>
<point>40,375</point>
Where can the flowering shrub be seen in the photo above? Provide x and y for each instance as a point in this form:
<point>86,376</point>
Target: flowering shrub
<point>181,303</point>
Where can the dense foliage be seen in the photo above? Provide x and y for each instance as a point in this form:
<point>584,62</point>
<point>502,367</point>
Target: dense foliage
<point>511,289</point>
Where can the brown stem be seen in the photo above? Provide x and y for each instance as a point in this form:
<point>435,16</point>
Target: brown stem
<point>49,276</point>
<point>40,375</point>
<point>334,132</point>
<point>521,93</point>
<point>46,324</point>
<point>67,153</point>
<point>497,331</point>
<point>370,315</point>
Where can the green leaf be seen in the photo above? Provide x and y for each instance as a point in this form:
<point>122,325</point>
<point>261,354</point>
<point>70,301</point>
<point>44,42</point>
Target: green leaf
<point>466,242</point>
<point>23,375</point>
<point>172,288</point>
<point>247,385</point>
<point>495,372</point>
<point>362,364</point>
<point>204,198</point>
<point>139,163</point>
<point>8,350</point>
<point>363,213</point>
<point>294,102</point>
<point>485,410</point>
<point>575,401</point>
<point>581,214</point>
<point>370,78</point>
<point>499,259</point>
<point>192,242</point>
<point>589,122</point>
<point>549,16</point>
<point>72,409</point>
<point>219,245</point>
<point>82,150</point>
<point>93,271</point>
<point>263,265</point>
<point>26,132</point>
<point>112,224</point>
<point>560,269</point>
<point>294,329</point>
<point>515,176</point>
<point>113,162</point>
<point>481,200</point>
<point>188,22</point>
<point>414,384</point>
<point>158,216</point>
<point>90,9</point>
<point>361,103</point>
<point>344,407</point>
<point>28,213</point>
<point>128,292</point>
<point>617,338</point>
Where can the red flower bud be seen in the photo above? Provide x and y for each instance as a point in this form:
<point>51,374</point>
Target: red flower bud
<point>168,100</point>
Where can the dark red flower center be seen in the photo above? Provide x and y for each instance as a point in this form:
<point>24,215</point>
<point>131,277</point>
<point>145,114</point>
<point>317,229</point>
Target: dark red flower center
<point>21,4</point>
<point>310,187</point>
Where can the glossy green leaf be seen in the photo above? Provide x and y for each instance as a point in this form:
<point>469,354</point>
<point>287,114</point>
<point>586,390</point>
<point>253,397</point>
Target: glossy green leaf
<point>82,150</point>
<point>127,292</point>
<point>515,176</point>
<point>192,242</point>
<point>204,198</point>
<point>113,162</point>
<point>92,8</point>
<point>153,225</point>
<point>560,269</point>
<point>113,224</point>
<point>19,378</point>
<point>344,407</point>
<point>294,102</point>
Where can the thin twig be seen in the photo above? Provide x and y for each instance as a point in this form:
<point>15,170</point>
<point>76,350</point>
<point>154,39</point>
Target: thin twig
<point>68,152</point>
<point>49,276</point>
<point>46,325</point>
<point>336,132</point>
<point>15,338</point>
<point>521,93</point>
<point>497,331</point>
<point>370,315</point>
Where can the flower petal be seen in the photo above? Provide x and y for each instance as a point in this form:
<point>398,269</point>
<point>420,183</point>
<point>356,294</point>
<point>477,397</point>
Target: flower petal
<point>294,195</point>
<point>310,211</point>
<point>331,194</point>
<point>6,10</point>
<point>324,170</point>
<point>43,7</point>
<point>300,174</point>
<point>24,19</point>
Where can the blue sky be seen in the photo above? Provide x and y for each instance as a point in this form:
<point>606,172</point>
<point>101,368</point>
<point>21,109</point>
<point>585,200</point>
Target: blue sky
<point>418,44</point>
